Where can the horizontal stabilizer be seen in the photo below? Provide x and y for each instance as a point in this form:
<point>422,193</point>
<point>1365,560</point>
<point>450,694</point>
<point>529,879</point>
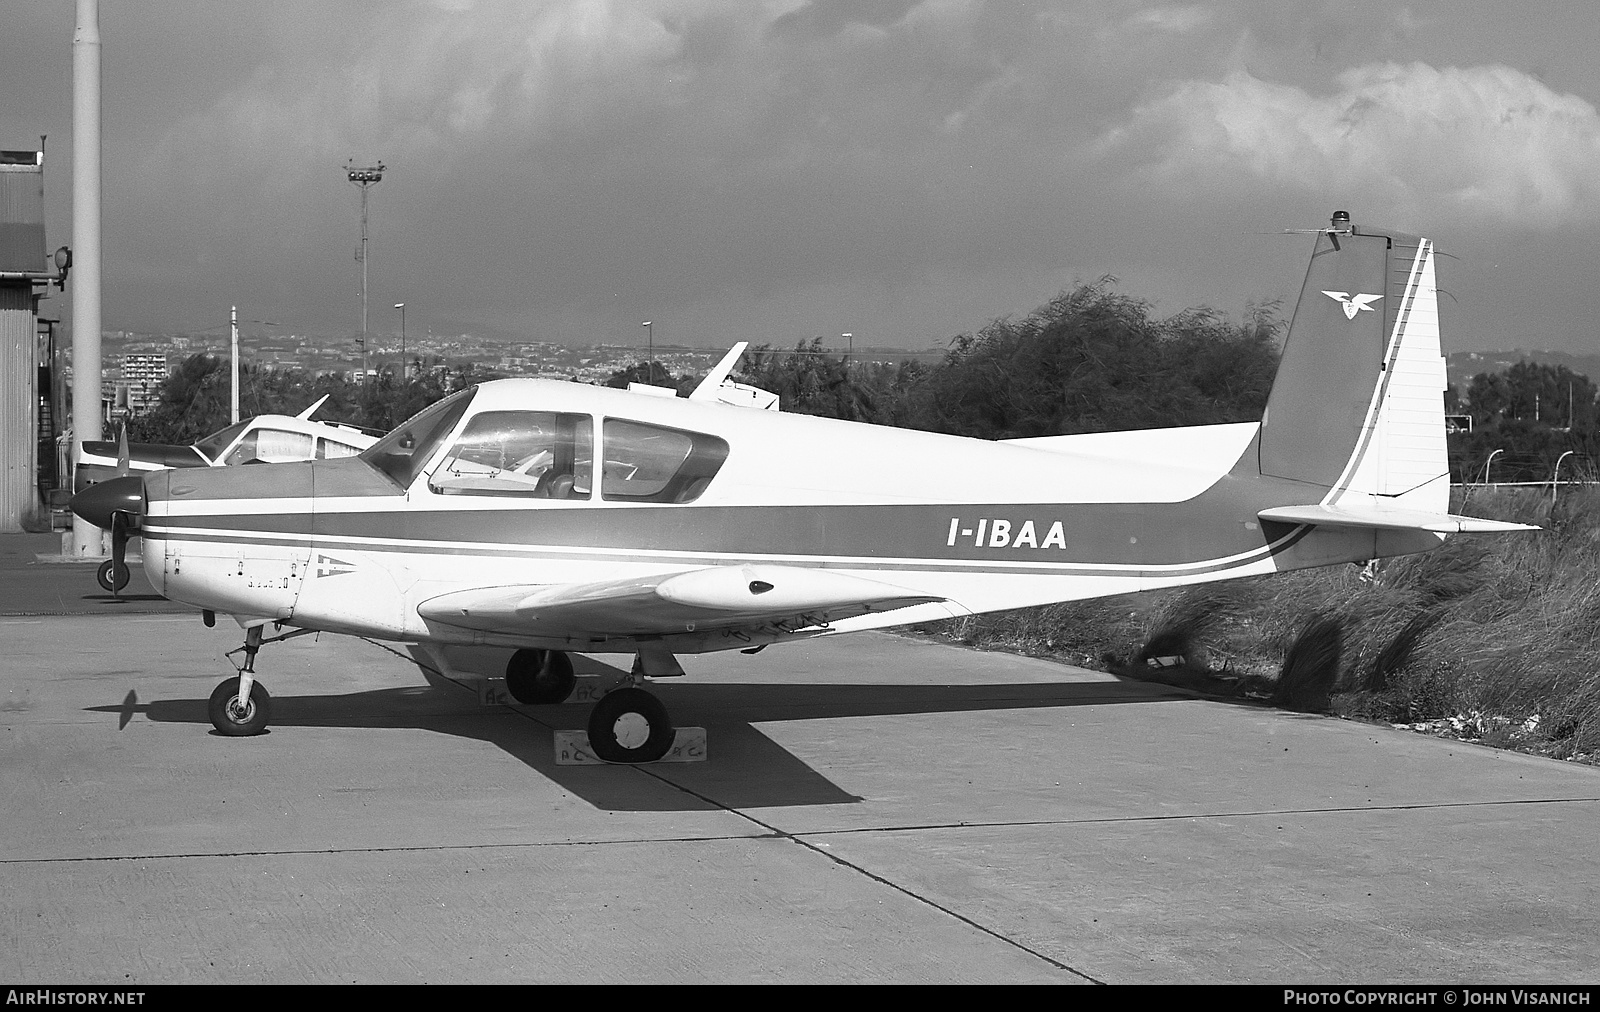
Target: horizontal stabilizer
<point>715,598</point>
<point>1388,518</point>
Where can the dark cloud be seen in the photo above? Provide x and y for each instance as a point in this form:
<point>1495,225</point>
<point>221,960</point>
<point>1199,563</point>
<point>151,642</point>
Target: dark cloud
<point>903,169</point>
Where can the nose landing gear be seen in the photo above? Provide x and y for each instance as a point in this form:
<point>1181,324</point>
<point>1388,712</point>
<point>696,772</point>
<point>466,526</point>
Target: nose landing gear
<point>241,706</point>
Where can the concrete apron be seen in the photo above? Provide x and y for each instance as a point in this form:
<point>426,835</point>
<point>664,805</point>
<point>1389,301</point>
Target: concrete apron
<point>874,809</point>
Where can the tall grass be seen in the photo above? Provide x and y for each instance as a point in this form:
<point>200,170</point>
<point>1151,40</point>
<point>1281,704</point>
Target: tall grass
<point>1492,637</point>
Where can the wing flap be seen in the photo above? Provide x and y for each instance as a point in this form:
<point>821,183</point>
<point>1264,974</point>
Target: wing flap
<point>719,597</point>
<point>1381,517</point>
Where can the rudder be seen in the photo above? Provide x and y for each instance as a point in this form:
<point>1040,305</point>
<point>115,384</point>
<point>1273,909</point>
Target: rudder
<point>1357,406</point>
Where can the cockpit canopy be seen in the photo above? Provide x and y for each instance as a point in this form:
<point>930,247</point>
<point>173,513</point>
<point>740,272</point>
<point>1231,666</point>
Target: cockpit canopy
<point>548,455</point>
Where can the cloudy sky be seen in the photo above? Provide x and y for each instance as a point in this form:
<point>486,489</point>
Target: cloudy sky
<point>733,170</point>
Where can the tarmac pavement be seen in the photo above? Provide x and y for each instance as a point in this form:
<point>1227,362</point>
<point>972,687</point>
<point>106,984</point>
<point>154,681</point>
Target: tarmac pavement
<point>874,809</point>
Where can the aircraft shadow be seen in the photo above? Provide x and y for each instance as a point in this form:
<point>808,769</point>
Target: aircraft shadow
<point>122,598</point>
<point>745,769</point>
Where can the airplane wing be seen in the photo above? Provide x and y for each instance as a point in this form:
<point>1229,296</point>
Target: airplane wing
<point>1381,517</point>
<point>709,599</point>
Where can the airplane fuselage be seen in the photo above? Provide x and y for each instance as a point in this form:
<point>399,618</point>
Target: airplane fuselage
<point>537,518</point>
<point>343,546</point>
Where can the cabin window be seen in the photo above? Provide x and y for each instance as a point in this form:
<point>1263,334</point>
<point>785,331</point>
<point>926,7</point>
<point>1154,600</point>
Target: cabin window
<point>541,454</point>
<point>271,446</point>
<point>652,463</point>
<point>330,449</point>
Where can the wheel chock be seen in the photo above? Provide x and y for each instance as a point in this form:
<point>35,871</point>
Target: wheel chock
<point>589,689</point>
<point>688,746</point>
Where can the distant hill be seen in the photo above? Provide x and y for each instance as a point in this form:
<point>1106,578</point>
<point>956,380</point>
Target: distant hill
<point>1461,366</point>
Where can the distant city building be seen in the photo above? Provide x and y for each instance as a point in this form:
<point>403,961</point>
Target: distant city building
<point>143,375</point>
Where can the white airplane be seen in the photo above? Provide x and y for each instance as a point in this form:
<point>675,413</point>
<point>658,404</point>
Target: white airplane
<point>544,517</point>
<point>264,439</point>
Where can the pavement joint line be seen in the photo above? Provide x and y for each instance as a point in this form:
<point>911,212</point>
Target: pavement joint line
<point>332,851</point>
<point>881,880</point>
<point>1199,816</point>
<point>774,832</point>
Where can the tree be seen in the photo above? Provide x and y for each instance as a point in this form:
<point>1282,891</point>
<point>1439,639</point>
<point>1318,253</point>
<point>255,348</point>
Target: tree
<point>1532,414</point>
<point>1093,360</point>
<point>196,399</point>
<point>811,380</point>
<point>1552,395</point>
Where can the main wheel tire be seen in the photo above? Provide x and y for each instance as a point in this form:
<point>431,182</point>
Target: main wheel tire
<point>630,726</point>
<point>105,577</point>
<point>226,716</point>
<point>538,677</point>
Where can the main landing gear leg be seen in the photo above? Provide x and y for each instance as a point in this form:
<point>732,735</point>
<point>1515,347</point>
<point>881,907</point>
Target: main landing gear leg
<point>538,677</point>
<point>630,725</point>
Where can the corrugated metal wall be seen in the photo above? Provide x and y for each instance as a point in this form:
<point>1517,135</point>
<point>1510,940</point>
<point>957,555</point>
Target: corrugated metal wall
<point>18,440</point>
<point>21,216</point>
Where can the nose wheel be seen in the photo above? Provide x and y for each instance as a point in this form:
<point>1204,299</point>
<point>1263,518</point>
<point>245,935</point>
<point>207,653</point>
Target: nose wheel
<point>112,575</point>
<point>237,719</point>
<point>630,726</point>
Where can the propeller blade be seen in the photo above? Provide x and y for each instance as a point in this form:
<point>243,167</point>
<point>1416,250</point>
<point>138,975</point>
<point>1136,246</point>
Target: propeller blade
<point>122,451</point>
<point>120,521</point>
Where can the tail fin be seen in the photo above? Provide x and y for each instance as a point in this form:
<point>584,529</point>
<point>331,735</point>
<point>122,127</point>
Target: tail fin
<point>1358,407</point>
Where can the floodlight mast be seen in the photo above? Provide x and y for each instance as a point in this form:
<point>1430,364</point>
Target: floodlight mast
<point>364,177</point>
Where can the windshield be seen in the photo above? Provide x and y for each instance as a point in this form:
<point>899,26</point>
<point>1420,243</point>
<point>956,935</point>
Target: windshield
<point>215,443</point>
<point>403,452</point>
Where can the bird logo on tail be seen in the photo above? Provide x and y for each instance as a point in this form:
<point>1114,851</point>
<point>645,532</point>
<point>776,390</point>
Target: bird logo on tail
<point>1353,304</point>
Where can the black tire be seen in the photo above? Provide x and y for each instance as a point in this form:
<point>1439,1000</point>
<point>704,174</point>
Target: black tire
<point>226,718</point>
<point>103,575</point>
<point>630,726</point>
<point>540,677</point>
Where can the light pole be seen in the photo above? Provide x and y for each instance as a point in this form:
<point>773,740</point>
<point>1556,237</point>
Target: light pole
<point>86,317</point>
<point>365,178</point>
<point>650,336</point>
<point>233,329</point>
<point>1556,475</point>
<point>1487,463</point>
<point>403,370</point>
<point>852,347</point>
<point>233,357</point>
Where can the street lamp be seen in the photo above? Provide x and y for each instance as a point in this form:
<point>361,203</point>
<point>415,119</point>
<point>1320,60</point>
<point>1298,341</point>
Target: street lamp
<point>403,370</point>
<point>1555,476</point>
<point>1487,463</point>
<point>650,335</point>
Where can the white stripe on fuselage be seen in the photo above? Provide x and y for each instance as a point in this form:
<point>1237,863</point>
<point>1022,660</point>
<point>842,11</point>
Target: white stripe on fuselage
<point>655,557</point>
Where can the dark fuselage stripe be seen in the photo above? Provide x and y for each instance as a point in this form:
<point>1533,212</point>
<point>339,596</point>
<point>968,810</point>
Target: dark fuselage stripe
<point>1030,567</point>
